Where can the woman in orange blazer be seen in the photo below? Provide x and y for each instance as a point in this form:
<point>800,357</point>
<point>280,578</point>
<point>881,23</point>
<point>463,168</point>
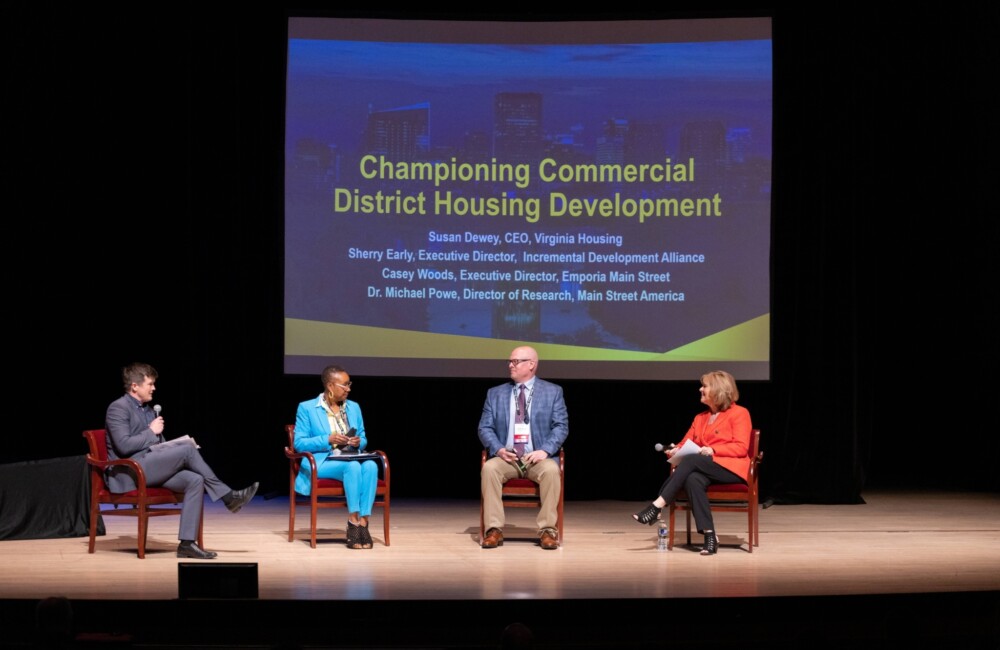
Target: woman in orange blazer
<point>721,438</point>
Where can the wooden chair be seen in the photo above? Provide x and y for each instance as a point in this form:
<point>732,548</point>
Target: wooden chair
<point>524,493</point>
<point>327,493</point>
<point>144,501</point>
<point>729,497</point>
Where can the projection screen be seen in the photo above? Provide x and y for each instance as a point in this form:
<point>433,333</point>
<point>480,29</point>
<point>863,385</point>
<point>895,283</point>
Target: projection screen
<point>600,190</point>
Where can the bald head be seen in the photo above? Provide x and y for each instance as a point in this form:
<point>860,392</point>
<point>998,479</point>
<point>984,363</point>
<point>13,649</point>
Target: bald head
<point>523,364</point>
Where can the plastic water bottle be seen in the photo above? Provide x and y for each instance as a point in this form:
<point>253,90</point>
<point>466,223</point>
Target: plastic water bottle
<point>662,535</point>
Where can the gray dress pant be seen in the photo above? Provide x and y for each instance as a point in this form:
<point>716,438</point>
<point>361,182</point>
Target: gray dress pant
<point>182,469</point>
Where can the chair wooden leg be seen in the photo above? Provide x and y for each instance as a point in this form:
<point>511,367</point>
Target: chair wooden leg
<point>201,529</point>
<point>482,521</point>
<point>385,521</point>
<point>312,521</point>
<point>559,519</point>
<point>95,512</point>
<point>291,517</point>
<point>143,522</point>
<point>670,528</point>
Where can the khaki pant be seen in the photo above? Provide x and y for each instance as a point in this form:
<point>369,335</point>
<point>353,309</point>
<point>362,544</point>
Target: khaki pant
<point>496,472</point>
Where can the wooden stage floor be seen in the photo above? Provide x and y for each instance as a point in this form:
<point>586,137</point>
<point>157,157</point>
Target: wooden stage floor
<point>902,555</point>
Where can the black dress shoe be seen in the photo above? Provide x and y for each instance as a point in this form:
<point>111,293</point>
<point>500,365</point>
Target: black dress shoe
<point>195,552</point>
<point>241,498</point>
<point>711,546</point>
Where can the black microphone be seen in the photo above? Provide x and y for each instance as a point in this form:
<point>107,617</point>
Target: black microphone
<point>659,447</point>
<point>348,449</point>
<point>522,469</point>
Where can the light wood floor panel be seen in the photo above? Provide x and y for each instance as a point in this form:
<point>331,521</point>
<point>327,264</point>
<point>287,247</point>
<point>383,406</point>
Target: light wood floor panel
<point>895,543</point>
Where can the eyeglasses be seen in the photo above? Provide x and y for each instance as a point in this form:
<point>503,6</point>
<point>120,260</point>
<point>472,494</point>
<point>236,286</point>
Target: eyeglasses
<point>347,385</point>
<point>514,362</point>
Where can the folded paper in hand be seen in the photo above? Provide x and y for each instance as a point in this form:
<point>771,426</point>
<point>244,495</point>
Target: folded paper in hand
<point>689,447</point>
<point>183,440</point>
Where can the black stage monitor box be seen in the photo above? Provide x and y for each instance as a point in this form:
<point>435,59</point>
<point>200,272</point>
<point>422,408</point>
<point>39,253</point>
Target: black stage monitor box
<point>217,580</point>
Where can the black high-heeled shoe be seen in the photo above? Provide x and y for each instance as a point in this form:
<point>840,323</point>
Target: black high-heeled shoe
<point>647,515</point>
<point>366,538</point>
<point>354,539</point>
<point>711,546</point>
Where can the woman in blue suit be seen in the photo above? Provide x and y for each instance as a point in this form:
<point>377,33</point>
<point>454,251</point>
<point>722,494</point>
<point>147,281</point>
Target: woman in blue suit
<point>331,425</point>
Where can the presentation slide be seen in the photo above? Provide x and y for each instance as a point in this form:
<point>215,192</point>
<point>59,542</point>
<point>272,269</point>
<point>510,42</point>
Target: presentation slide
<point>600,191</point>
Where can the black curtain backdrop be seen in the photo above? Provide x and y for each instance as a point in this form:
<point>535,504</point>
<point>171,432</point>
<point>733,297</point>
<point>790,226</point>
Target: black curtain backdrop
<point>144,222</point>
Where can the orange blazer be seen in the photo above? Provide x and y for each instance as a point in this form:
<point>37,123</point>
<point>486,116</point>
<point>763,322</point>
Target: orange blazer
<point>728,436</point>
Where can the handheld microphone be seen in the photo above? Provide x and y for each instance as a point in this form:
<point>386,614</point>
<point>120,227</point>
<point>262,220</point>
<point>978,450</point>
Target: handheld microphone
<point>350,449</point>
<point>347,449</point>
<point>659,447</point>
<point>522,469</point>
<point>156,409</point>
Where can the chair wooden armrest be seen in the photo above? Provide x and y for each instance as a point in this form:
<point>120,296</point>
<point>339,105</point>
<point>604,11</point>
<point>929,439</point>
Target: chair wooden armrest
<point>293,455</point>
<point>136,469</point>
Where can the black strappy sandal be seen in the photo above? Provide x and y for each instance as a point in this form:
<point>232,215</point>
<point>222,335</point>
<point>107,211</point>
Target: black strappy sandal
<point>711,546</point>
<point>647,515</point>
<point>366,538</point>
<point>354,536</point>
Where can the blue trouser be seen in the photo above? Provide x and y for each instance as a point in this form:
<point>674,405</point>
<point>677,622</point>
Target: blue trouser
<point>360,480</point>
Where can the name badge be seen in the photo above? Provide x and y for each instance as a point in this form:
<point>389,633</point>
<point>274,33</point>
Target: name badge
<point>522,433</point>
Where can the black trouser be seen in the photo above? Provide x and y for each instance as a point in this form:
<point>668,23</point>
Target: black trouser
<point>695,473</point>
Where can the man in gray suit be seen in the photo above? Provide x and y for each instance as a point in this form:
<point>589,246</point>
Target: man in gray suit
<point>135,431</point>
<point>523,426</point>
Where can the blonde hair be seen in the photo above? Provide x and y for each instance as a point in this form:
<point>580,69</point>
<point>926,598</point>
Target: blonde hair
<point>721,388</point>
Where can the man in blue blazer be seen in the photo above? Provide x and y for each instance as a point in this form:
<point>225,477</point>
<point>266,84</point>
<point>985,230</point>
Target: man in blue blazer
<point>134,430</point>
<point>523,426</point>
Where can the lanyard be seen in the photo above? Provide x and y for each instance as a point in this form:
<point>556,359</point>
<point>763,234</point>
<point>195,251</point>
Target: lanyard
<point>527,400</point>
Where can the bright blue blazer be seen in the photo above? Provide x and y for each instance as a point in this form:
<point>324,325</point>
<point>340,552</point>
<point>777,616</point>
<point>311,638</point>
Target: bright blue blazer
<point>312,434</point>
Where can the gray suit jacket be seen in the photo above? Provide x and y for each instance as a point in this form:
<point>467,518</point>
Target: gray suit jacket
<point>129,436</point>
<point>549,420</point>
